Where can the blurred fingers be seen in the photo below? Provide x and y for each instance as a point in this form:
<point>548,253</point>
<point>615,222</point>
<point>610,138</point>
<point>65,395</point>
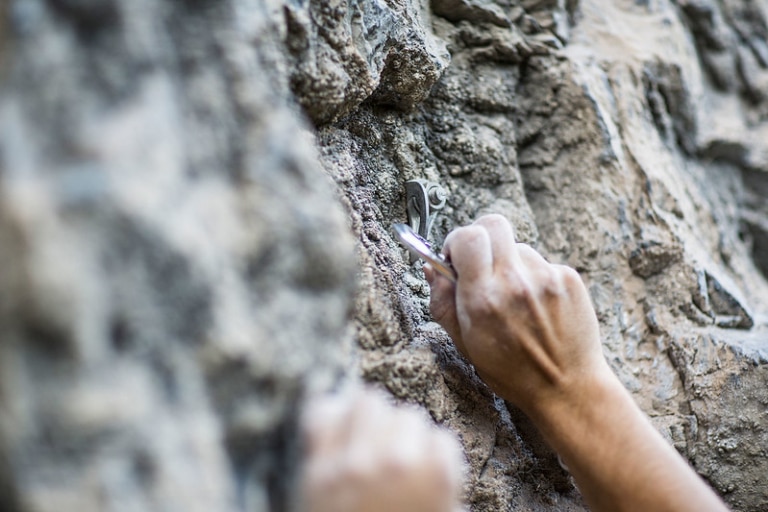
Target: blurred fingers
<point>381,458</point>
<point>324,423</point>
<point>370,433</point>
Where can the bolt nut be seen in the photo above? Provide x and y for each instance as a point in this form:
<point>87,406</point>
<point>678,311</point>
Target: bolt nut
<point>437,196</point>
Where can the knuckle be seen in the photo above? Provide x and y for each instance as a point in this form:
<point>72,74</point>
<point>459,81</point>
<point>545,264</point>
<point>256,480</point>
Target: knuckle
<point>523,294</point>
<point>526,250</point>
<point>531,256</point>
<point>492,219</point>
<point>570,278</point>
<point>463,235</point>
<point>538,289</point>
<point>485,303</point>
<point>517,290</point>
<point>499,300</point>
<point>482,306</point>
<point>551,282</point>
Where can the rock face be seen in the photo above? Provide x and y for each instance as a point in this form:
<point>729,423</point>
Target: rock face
<point>178,185</point>
<point>175,271</point>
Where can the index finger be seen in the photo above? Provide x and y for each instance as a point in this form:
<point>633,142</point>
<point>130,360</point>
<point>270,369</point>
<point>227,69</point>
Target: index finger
<point>503,246</point>
<point>469,251</point>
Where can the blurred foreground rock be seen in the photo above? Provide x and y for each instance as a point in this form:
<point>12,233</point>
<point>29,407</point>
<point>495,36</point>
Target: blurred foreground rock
<point>178,185</point>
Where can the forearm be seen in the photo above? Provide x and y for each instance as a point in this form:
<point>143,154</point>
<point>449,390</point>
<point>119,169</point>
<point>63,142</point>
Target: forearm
<point>529,328</point>
<point>620,462</point>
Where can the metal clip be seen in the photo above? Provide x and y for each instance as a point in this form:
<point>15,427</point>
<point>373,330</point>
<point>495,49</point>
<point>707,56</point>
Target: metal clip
<point>423,200</point>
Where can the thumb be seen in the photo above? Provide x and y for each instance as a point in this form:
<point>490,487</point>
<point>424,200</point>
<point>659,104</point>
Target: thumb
<point>442,305</point>
<point>429,273</point>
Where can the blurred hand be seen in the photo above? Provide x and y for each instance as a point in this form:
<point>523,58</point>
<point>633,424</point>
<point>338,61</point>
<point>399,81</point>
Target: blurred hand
<point>526,325</point>
<point>367,456</point>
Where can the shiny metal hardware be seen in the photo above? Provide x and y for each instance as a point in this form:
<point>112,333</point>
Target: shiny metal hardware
<point>423,200</point>
<point>419,248</point>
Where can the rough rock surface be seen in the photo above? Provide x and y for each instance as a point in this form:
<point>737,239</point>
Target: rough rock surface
<point>176,268</point>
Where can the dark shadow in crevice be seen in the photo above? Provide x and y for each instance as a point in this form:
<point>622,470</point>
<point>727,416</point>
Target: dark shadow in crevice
<point>754,217</point>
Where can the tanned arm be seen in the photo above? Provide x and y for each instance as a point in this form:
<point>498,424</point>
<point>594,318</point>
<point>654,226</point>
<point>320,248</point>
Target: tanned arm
<point>530,330</point>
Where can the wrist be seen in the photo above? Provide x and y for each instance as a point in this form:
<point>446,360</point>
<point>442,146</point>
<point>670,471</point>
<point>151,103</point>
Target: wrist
<point>619,461</point>
<point>581,405</point>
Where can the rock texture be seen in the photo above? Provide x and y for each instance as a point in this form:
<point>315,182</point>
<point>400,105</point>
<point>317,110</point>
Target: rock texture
<point>178,185</point>
<point>175,272</point>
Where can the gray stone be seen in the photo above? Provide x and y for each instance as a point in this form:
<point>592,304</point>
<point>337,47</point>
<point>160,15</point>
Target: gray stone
<point>196,201</point>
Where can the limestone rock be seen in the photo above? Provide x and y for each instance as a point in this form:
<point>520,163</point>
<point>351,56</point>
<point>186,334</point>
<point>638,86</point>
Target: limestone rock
<point>175,272</point>
<point>178,185</point>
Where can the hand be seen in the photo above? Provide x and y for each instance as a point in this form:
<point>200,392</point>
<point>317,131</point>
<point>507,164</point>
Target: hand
<point>530,330</point>
<point>367,456</point>
<point>526,325</point>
